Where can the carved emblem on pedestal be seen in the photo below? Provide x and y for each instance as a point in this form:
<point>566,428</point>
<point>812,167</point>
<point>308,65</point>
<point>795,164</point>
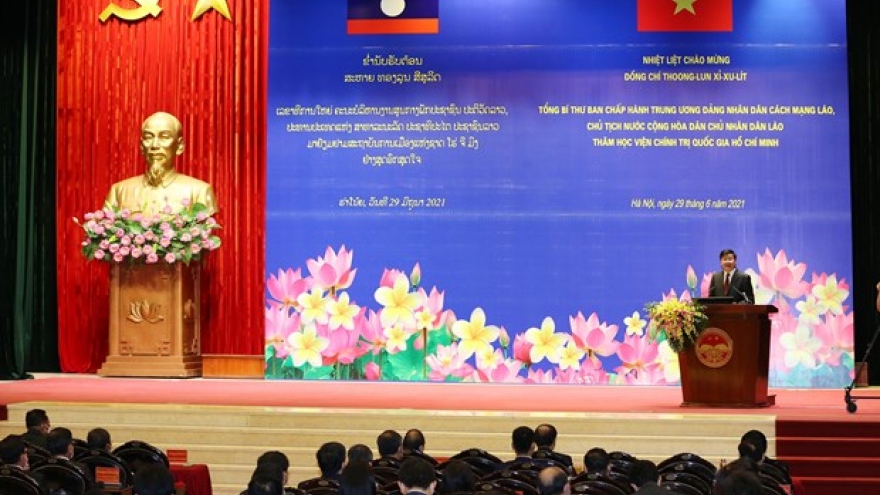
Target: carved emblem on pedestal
<point>145,311</point>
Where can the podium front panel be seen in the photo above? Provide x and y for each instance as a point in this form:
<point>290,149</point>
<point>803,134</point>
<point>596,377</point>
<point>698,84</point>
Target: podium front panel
<point>728,366</point>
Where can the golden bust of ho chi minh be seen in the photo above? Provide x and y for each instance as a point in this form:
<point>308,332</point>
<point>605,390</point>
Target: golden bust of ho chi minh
<point>161,184</point>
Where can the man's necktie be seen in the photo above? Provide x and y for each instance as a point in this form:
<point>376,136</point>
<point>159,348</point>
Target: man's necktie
<point>726,283</point>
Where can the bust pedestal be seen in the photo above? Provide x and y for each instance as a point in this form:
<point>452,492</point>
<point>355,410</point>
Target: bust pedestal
<point>154,321</point>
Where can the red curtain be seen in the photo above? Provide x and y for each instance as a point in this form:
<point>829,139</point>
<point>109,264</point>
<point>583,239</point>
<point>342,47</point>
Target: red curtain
<point>210,73</point>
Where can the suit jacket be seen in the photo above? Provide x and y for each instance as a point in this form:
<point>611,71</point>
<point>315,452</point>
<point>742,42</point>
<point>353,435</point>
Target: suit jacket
<point>740,281</point>
<point>420,455</point>
<point>559,457</point>
<point>34,476</point>
<point>35,437</point>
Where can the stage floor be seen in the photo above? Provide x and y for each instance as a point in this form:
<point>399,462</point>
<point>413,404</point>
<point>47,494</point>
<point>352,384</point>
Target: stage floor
<point>790,403</point>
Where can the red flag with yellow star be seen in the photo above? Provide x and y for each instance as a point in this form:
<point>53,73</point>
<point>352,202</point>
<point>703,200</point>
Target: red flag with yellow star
<point>685,15</point>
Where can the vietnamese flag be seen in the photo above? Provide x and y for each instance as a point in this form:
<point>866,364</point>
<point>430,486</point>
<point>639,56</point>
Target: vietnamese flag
<point>685,15</point>
<point>393,17</point>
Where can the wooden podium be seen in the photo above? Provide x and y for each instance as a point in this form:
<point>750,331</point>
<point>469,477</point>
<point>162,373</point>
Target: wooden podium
<point>728,365</point>
<point>154,321</point>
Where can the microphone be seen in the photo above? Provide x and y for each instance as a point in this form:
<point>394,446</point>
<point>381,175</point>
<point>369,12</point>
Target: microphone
<point>741,294</point>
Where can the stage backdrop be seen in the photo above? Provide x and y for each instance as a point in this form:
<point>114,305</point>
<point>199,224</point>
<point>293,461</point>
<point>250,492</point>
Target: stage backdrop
<point>492,190</point>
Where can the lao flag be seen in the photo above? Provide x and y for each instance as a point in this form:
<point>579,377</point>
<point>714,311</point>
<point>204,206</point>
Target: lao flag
<point>393,17</point>
<point>685,15</point>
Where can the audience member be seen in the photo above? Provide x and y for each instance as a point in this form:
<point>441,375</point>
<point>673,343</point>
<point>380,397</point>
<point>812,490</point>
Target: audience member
<point>59,443</point>
<point>414,444</point>
<point>643,477</point>
<point>553,481</point>
<point>264,483</point>
<point>414,440</point>
<point>357,479</point>
<point>749,456</point>
<point>153,479</point>
<point>758,442</point>
<point>331,458</point>
<point>390,446</point>
<point>274,459</point>
<point>596,460</point>
<point>416,476</point>
<point>734,481</point>
<point>545,443</point>
<point>267,470</point>
<point>359,452</point>
<point>597,466</point>
<point>99,438</point>
<point>523,445</point>
<point>37,422</point>
<point>13,452</point>
<point>457,477</point>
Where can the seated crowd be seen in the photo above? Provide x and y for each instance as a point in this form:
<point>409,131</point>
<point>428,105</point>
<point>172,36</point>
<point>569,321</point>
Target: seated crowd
<point>50,461</point>
<point>402,467</point>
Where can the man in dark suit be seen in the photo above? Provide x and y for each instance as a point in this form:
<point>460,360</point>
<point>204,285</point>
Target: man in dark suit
<point>730,281</point>
<point>523,445</point>
<point>37,422</point>
<point>597,466</point>
<point>416,477</point>
<point>390,445</point>
<point>643,477</point>
<point>14,455</point>
<point>59,443</point>
<point>545,443</point>
<point>99,438</point>
<point>553,481</point>
<point>414,444</point>
<point>331,458</point>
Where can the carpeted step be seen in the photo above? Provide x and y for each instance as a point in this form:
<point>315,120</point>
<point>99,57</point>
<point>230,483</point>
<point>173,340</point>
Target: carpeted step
<point>855,428</point>
<point>840,467</point>
<point>827,447</point>
<point>839,486</point>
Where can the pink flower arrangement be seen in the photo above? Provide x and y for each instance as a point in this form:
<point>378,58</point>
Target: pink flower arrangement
<point>118,236</point>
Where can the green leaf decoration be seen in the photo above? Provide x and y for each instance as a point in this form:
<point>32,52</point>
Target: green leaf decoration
<point>288,362</point>
<point>408,365</point>
<point>317,373</point>
<point>274,368</point>
<point>438,337</point>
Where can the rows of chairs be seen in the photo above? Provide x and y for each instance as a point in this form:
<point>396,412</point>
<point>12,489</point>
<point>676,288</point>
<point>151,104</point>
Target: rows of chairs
<point>76,476</point>
<point>685,473</point>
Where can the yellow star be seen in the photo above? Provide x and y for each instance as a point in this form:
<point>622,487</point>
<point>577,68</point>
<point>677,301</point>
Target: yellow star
<point>205,5</point>
<point>684,5</point>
